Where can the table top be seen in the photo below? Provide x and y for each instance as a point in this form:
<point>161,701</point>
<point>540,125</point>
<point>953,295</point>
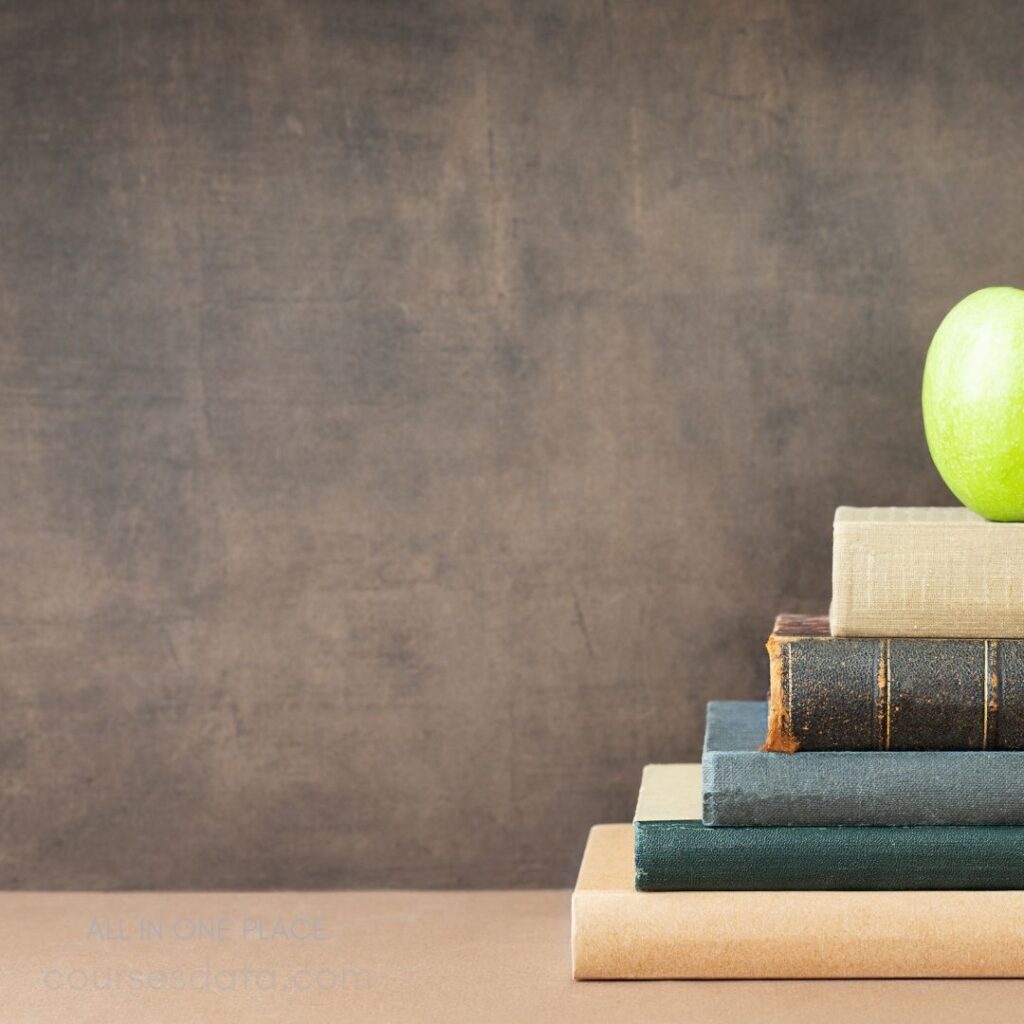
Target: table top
<point>388,956</point>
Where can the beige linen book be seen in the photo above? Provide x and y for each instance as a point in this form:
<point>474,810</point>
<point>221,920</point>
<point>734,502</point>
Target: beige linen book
<point>618,933</point>
<point>942,572</point>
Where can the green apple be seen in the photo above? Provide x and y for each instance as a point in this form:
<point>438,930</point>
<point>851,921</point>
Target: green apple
<point>973,402</point>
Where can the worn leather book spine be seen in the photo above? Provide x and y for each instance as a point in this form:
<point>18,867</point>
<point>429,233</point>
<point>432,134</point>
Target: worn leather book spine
<point>688,855</point>
<point>837,693</point>
<point>619,933</point>
<point>743,785</point>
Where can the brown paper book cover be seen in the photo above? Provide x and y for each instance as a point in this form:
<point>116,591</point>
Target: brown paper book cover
<point>939,572</point>
<point>618,933</point>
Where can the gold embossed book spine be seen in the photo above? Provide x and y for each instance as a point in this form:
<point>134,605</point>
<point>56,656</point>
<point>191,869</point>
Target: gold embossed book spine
<point>891,693</point>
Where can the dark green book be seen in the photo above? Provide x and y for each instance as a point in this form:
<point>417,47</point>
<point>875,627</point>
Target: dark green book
<point>674,852</point>
<point>854,693</point>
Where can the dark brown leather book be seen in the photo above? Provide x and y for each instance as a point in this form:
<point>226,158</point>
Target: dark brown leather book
<point>853,693</point>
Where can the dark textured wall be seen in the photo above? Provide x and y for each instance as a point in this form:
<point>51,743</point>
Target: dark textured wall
<point>412,413</point>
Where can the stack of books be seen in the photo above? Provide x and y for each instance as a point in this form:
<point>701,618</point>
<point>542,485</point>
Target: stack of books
<point>868,819</point>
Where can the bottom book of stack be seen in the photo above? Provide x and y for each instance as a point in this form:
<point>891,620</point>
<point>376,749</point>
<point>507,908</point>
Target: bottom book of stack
<point>621,933</point>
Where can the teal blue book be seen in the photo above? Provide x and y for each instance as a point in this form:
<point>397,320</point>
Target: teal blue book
<point>744,785</point>
<point>673,851</point>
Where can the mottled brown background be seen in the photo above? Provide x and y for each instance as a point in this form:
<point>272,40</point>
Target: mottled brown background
<point>412,413</point>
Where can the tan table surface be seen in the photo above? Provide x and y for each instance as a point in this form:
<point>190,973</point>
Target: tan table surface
<point>388,956</point>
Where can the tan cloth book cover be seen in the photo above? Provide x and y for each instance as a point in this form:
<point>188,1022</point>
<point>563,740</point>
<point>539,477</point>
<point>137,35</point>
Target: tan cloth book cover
<point>618,933</point>
<point>938,572</point>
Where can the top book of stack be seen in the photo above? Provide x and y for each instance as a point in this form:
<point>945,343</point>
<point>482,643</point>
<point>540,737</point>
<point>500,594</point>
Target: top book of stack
<point>938,572</point>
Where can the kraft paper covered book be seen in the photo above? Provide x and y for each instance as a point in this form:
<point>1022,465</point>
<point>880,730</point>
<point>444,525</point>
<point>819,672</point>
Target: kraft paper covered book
<point>745,786</point>
<point>618,933</point>
<point>942,572</point>
<point>676,851</point>
<point>917,693</point>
